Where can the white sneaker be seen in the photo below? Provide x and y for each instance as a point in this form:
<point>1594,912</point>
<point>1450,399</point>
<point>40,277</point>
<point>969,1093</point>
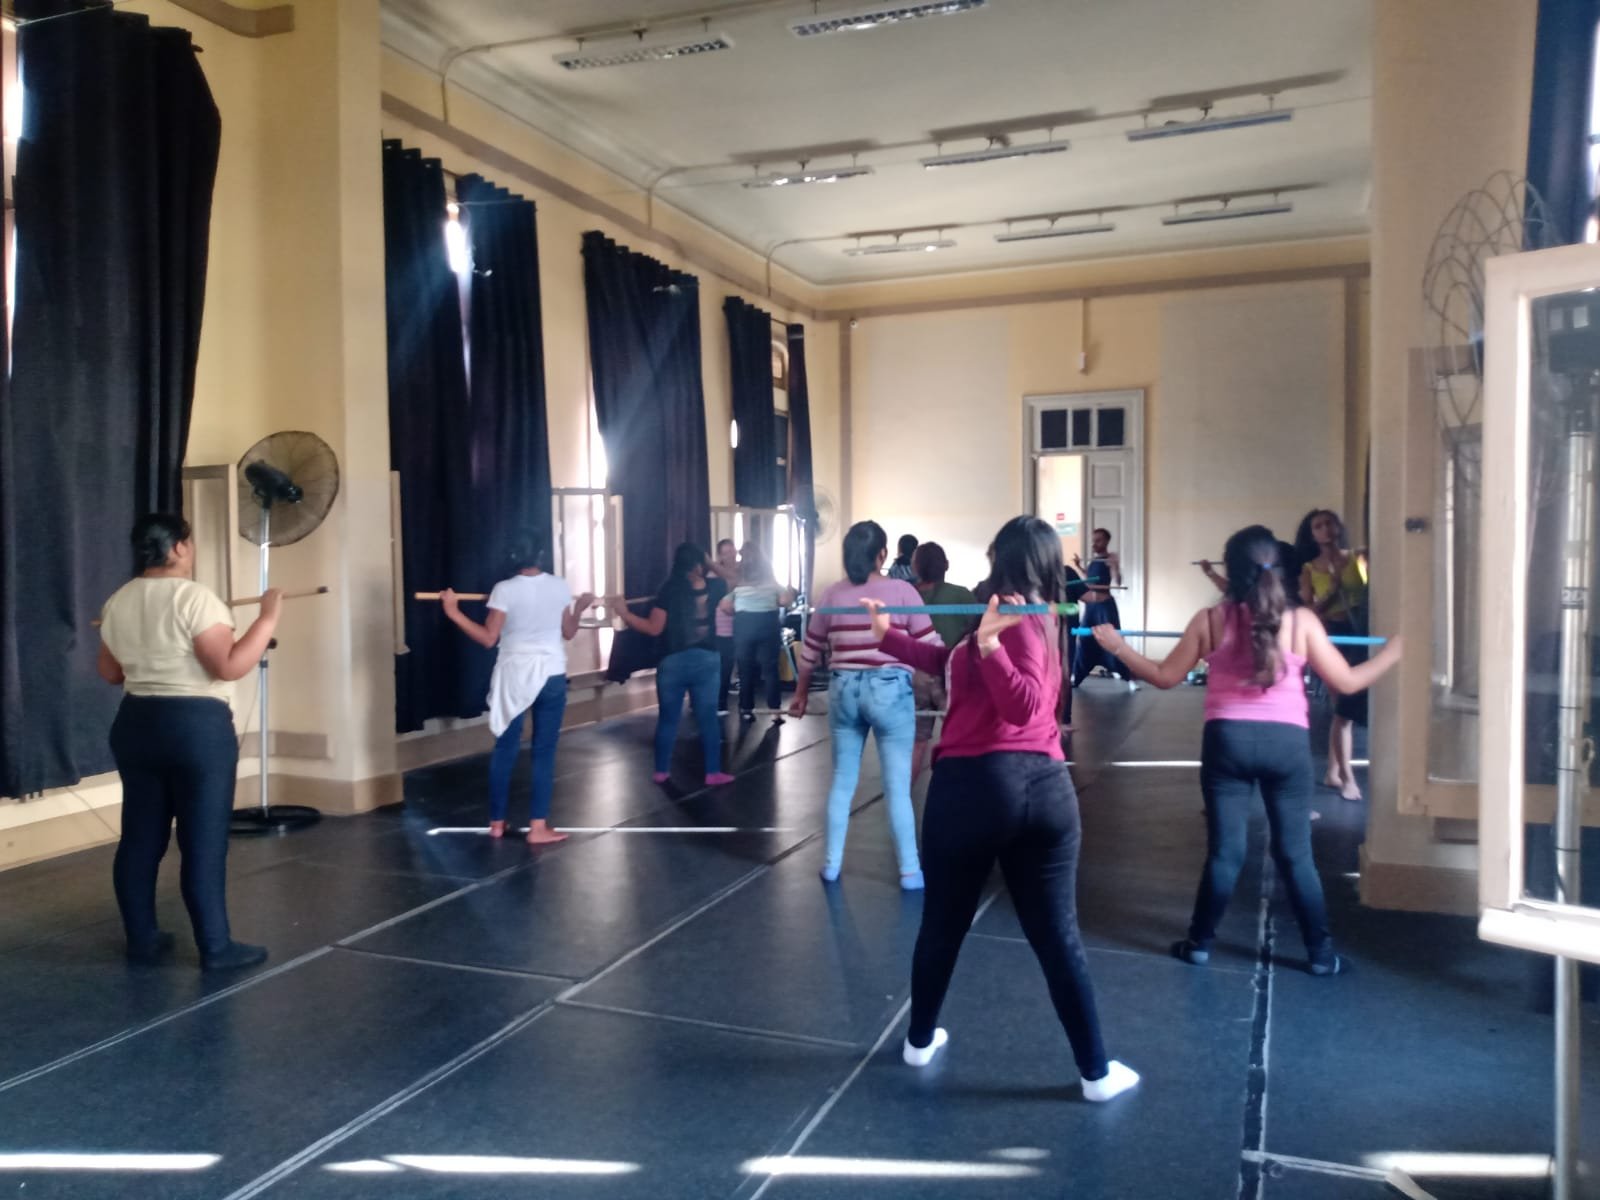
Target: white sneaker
<point>915,1057</point>
<point>1133,685</point>
<point>1117,1079</point>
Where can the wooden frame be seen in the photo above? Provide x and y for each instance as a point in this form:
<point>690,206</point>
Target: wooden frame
<point>1508,916</point>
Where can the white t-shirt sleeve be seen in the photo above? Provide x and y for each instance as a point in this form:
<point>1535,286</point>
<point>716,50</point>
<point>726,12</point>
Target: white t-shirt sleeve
<point>199,609</point>
<point>497,597</point>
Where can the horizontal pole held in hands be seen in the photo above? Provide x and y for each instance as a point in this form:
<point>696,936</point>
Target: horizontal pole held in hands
<point>485,596</point>
<point>297,594</point>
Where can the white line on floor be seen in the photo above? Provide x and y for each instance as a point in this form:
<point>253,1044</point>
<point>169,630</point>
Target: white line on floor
<point>483,830</point>
<point>1315,1166</point>
<point>838,1093</point>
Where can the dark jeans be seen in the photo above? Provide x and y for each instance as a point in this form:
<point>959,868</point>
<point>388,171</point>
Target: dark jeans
<point>758,638</point>
<point>548,709</point>
<point>1235,757</point>
<point>178,759</point>
<point>1020,809</point>
<point>1088,654</point>
<point>691,673</point>
<point>729,658</point>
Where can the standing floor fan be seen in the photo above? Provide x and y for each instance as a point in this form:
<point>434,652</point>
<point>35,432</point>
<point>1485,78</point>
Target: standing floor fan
<point>287,484</point>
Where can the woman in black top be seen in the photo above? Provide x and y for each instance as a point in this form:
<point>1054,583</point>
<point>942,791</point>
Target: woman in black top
<point>683,614</point>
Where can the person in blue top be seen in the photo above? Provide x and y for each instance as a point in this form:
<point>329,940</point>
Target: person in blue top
<point>1099,607</point>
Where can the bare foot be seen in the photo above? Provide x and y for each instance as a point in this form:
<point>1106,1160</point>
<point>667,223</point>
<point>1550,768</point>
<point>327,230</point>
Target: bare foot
<point>540,834</point>
<point>1351,791</point>
<point>497,829</point>
<point>1333,782</point>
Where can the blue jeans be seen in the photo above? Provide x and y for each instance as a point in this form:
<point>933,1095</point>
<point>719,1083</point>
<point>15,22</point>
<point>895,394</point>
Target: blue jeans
<point>548,709</point>
<point>695,673</point>
<point>878,701</point>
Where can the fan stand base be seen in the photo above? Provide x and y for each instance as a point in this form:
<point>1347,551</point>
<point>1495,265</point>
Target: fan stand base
<point>277,820</point>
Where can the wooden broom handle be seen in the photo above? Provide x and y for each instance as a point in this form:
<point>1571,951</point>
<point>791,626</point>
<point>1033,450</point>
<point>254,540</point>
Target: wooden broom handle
<point>485,596</point>
<point>297,594</point>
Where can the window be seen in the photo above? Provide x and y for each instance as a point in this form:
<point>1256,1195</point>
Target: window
<point>1102,426</point>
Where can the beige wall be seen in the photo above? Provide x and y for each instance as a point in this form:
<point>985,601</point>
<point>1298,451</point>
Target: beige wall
<point>1245,416</point>
<point>1450,107</point>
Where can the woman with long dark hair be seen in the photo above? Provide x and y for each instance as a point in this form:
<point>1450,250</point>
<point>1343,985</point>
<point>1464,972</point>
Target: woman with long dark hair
<point>1001,792</point>
<point>1255,732</point>
<point>868,692</point>
<point>169,642</point>
<point>532,616</point>
<point>1333,583</point>
<point>683,613</point>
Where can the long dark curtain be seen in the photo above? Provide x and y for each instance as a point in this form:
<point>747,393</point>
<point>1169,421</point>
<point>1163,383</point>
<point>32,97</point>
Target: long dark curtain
<point>115,171</point>
<point>509,441</point>
<point>428,442</point>
<point>1558,128</point>
<point>757,478</point>
<point>802,485</point>
<point>644,351</point>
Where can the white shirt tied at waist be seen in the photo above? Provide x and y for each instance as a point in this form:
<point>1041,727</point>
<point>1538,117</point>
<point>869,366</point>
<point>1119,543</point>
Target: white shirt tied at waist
<point>521,670</point>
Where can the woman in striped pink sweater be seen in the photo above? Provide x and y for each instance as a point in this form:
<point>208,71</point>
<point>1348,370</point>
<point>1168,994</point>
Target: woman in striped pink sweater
<point>868,692</point>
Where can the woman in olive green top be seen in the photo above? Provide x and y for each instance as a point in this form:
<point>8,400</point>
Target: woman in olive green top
<point>930,565</point>
<point>169,642</point>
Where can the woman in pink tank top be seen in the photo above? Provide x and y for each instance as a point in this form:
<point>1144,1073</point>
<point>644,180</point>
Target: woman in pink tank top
<point>1256,733</point>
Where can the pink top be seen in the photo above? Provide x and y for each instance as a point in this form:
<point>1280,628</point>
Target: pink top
<point>849,640</point>
<point>1232,694</point>
<point>1006,702</point>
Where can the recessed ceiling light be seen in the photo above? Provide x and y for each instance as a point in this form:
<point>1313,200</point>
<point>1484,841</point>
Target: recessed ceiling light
<point>1208,124</point>
<point>618,53</point>
<point>1227,214</point>
<point>807,175</point>
<point>926,247</point>
<point>995,153</point>
<point>1053,231</point>
<point>877,16</point>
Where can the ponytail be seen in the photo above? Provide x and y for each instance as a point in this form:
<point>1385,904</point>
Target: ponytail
<point>864,542</point>
<point>154,537</point>
<point>1255,582</point>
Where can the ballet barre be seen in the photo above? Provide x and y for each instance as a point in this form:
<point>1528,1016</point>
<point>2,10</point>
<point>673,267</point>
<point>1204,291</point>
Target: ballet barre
<point>1065,610</point>
<point>485,596</point>
<point>242,601</point>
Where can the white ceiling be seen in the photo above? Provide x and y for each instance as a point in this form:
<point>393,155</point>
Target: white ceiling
<point>887,93</point>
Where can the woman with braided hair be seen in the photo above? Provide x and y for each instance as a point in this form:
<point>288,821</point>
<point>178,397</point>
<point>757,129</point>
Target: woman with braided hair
<point>1256,732</point>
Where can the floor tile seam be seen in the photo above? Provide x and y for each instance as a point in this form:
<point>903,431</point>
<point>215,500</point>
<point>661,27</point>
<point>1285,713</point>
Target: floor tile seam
<point>474,968</point>
<point>1254,1124</point>
<point>776,1035</point>
<point>437,901</point>
<point>1315,1166</point>
<point>1117,950</point>
<point>192,1006</point>
<point>383,871</point>
<point>753,1189</point>
<point>414,1089</point>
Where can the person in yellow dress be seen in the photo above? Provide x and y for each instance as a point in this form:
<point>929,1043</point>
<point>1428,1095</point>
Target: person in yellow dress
<point>1333,584</point>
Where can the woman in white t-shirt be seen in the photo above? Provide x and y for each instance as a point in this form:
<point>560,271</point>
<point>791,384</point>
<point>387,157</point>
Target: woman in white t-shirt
<point>756,605</point>
<point>532,616</point>
<point>169,642</point>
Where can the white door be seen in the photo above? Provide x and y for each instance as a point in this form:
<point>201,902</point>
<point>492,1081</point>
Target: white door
<point>1111,504</point>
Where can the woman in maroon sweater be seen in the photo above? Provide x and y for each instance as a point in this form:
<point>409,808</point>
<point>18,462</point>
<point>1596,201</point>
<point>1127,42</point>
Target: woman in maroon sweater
<point>1000,790</point>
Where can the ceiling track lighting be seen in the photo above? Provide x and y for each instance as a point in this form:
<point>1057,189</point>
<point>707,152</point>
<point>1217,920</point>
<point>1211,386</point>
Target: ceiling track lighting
<point>997,150</point>
<point>926,246</point>
<point>1053,230</point>
<point>807,174</point>
<point>1209,124</point>
<point>618,53</point>
<point>1226,213</point>
<point>879,16</point>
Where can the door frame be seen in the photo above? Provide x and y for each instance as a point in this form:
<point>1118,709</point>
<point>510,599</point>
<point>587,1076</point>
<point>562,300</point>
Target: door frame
<point>1132,401</point>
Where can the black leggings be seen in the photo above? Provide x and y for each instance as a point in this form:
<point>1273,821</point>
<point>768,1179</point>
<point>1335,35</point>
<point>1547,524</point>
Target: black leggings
<point>758,639</point>
<point>1021,810</point>
<point>1236,756</point>
<point>178,760</point>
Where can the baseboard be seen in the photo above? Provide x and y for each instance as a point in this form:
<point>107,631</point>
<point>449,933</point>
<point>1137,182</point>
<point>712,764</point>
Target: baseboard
<point>55,836</point>
<point>332,797</point>
<point>1409,887</point>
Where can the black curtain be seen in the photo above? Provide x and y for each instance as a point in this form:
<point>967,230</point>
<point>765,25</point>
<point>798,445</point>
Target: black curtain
<point>429,443</point>
<point>757,477</point>
<point>114,179</point>
<point>644,352</point>
<point>1558,130</point>
<point>509,442</point>
<point>802,486</point>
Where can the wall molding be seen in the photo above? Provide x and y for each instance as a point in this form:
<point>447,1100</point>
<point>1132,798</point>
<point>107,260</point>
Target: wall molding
<point>246,22</point>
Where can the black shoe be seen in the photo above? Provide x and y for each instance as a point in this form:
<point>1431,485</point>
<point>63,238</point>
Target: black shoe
<point>233,957</point>
<point>1189,952</point>
<point>148,954</point>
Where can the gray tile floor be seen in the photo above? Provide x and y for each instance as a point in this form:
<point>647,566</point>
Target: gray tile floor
<point>664,1009</point>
